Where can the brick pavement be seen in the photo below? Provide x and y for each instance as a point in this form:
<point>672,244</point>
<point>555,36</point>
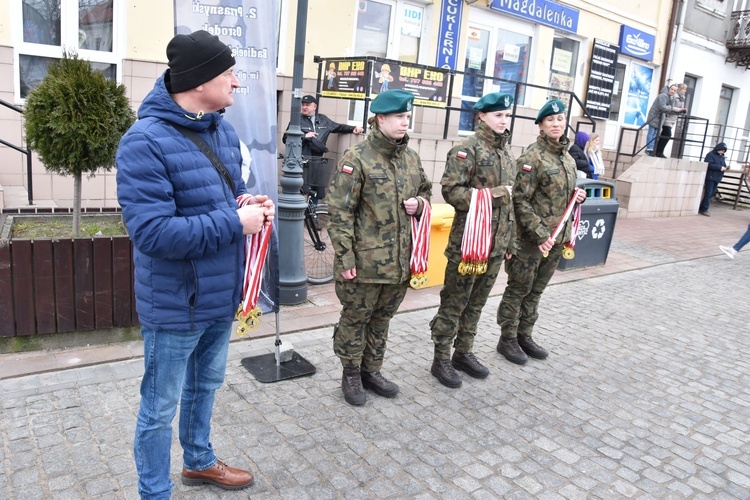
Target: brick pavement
<point>645,395</point>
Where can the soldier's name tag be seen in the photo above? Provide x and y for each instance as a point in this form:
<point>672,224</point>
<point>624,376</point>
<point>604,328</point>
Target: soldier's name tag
<point>552,172</point>
<point>377,177</point>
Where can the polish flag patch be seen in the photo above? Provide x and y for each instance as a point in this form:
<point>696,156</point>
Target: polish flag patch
<point>462,155</point>
<point>526,167</point>
<point>347,169</point>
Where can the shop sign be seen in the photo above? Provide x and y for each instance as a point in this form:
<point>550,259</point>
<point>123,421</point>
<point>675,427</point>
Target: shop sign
<point>636,43</point>
<point>544,12</point>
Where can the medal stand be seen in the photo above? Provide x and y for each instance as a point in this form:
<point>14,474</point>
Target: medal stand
<point>267,368</point>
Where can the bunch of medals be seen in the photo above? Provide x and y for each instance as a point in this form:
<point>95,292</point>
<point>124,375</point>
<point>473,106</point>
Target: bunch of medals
<point>477,239</point>
<point>568,252</point>
<point>256,248</point>
<point>575,208</point>
<point>420,246</point>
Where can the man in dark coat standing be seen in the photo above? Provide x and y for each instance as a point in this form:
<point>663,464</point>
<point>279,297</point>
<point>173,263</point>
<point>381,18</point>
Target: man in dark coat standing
<point>717,165</point>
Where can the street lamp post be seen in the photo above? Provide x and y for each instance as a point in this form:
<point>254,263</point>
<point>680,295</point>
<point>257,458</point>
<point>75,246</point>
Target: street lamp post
<point>291,203</point>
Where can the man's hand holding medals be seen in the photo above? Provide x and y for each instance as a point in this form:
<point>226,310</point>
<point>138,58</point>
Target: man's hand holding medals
<point>256,214</point>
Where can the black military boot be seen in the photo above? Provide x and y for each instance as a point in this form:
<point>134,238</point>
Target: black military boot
<point>512,351</point>
<point>467,362</point>
<point>442,369</point>
<point>351,385</point>
<point>532,348</point>
<point>376,382</point>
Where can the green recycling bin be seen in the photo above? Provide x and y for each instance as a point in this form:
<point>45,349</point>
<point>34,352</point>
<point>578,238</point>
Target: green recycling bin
<point>598,217</point>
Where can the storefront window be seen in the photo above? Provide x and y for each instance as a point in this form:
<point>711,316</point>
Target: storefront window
<point>510,63</point>
<point>85,27</point>
<point>563,67</point>
<point>373,25</point>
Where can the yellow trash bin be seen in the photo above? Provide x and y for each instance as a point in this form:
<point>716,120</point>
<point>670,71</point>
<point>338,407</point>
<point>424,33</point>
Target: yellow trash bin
<point>442,218</point>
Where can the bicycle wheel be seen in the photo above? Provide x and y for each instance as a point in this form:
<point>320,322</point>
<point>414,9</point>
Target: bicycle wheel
<point>319,252</point>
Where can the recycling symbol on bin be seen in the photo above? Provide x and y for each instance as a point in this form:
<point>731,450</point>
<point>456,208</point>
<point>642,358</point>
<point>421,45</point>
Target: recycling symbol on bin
<point>598,230</point>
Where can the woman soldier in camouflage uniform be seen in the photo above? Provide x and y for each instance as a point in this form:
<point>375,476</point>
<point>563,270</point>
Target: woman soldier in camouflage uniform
<point>483,160</point>
<point>545,183</point>
<point>374,194</point>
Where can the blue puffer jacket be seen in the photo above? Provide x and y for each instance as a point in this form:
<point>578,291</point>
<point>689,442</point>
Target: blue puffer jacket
<point>181,216</point>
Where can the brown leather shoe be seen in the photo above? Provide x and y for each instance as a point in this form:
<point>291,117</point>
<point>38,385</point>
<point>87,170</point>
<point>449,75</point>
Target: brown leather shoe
<point>221,475</point>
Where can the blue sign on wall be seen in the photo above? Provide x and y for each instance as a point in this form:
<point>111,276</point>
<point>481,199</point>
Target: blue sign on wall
<point>540,11</point>
<point>450,26</point>
<point>636,43</point>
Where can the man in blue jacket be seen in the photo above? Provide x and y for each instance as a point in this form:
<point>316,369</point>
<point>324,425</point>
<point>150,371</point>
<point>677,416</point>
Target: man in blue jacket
<point>188,234</point>
<point>717,165</point>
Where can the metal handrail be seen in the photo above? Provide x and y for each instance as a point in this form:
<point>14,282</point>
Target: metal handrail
<point>682,140</point>
<point>25,151</point>
<point>319,60</point>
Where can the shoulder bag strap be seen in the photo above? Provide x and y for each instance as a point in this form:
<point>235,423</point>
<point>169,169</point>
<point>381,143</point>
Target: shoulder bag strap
<point>206,149</point>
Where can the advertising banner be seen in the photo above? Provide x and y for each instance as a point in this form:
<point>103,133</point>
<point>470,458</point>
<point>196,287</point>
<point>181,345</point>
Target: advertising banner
<point>248,27</point>
<point>639,89</point>
<point>347,79</point>
<point>427,84</point>
<point>601,79</point>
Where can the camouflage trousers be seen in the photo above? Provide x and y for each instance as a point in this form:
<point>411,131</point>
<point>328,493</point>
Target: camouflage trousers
<point>359,338</point>
<point>461,301</point>
<point>528,275</point>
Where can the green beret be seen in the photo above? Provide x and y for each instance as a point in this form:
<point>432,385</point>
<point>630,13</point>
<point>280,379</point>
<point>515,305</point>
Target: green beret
<point>494,102</point>
<point>392,101</point>
<point>553,107</point>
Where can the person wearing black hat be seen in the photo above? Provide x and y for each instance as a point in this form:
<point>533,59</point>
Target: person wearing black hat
<point>545,184</point>
<point>481,161</point>
<point>316,129</point>
<point>188,235</point>
<point>378,187</point>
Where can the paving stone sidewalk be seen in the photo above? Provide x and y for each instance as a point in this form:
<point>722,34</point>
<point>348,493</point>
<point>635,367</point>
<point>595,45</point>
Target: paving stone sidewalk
<point>645,395</point>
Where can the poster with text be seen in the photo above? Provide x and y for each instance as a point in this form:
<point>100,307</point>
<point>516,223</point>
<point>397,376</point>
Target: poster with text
<point>248,27</point>
<point>346,79</point>
<point>639,88</point>
<point>428,84</point>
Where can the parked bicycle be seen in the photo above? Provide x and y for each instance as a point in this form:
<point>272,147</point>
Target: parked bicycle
<point>318,251</point>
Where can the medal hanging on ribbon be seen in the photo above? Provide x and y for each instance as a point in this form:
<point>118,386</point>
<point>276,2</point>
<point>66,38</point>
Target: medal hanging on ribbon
<point>477,239</point>
<point>420,246</point>
<point>256,248</point>
<point>568,252</point>
<point>566,214</point>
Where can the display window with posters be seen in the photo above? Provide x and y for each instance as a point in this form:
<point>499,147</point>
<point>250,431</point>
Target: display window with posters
<point>392,29</point>
<point>496,48</point>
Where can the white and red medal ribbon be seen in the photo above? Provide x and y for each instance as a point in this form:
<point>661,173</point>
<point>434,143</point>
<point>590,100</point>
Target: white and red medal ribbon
<point>561,224</point>
<point>420,245</point>
<point>477,238</point>
<point>256,249</point>
<point>568,252</point>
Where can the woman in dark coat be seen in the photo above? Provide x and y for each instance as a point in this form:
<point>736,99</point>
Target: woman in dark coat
<point>576,151</point>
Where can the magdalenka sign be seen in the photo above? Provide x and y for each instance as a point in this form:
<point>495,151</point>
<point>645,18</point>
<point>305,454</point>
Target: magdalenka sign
<point>540,11</point>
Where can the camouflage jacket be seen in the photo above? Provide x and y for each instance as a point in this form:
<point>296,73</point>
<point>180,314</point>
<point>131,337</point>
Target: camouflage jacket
<point>481,161</point>
<point>546,180</point>
<point>369,228</point>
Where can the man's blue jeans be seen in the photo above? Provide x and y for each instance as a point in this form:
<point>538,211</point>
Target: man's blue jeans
<point>709,191</point>
<point>179,365</point>
<point>651,137</point>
